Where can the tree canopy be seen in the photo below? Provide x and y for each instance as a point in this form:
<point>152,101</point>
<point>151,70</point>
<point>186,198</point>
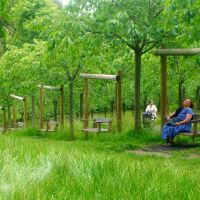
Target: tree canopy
<point>50,44</point>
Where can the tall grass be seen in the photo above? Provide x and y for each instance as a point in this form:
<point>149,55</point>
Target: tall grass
<point>37,167</point>
<point>43,169</point>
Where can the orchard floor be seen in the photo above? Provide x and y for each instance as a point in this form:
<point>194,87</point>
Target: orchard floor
<point>107,166</point>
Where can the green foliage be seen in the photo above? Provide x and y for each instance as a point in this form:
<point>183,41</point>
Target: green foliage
<point>183,20</point>
<point>4,17</point>
<point>48,41</point>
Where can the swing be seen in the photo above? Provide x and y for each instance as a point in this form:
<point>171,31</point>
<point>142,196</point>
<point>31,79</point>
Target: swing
<point>50,125</point>
<point>18,124</point>
<point>163,53</point>
<point>97,123</point>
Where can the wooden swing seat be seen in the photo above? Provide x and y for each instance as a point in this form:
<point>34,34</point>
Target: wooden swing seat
<point>51,126</point>
<point>97,125</point>
<point>95,130</point>
<point>194,133</point>
<point>18,126</point>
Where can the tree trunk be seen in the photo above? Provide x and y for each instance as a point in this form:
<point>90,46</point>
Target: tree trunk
<point>105,112</point>
<point>92,113</point>
<point>138,65</point>
<point>71,111</point>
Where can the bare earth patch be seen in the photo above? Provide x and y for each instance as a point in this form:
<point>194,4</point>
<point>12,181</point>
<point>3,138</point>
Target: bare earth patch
<point>162,151</point>
<point>143,152</point>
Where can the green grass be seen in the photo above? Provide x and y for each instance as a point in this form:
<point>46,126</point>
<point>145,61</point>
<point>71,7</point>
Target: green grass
<point>34,167</point>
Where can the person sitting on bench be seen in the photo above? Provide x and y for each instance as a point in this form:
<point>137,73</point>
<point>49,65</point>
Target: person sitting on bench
<point>179,121</point>
<point>150,110</point>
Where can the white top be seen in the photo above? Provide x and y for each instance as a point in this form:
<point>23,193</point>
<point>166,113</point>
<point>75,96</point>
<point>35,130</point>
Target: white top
<point>152,109</point>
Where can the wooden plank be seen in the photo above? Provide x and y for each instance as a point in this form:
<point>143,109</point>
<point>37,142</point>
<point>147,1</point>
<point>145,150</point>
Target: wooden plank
<point>177,52</point>
<point>103,120</point>
<point>187,134</point>
<point>100,76</point>
<point>95,130</point>
<point>190,134</point>
<point>49,87</point>
<point>17,97</point>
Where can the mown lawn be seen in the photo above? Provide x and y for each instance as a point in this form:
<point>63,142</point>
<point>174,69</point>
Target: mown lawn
<point>51,167</point>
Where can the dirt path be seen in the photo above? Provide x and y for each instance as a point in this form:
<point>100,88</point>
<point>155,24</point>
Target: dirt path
<point>162,151</point>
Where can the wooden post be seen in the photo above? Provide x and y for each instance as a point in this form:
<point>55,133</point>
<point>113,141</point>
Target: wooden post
<point>71,110</point>
<point>14,116</point>
<point>4,120</point>
<point>85,120</point>
<point>25,111</point>
<point>116,96</point>
<point>119,102</point>
<point>33,109</point>
<point>81,105</point>
<point>9,114</point>
<point>163,89</point>
<point>62,105</point>
<point>41,106</point>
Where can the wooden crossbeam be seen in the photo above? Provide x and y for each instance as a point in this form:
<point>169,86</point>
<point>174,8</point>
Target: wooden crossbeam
<point>177,52</point>
<point>17,97</point>
<point>41,103</point>
<point>100,76</point>
<point>49,87</point>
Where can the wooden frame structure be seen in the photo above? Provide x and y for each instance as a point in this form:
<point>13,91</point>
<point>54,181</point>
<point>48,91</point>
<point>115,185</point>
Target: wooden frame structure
<point>41,103</point>
<point>163,53</point>
<point>118,79</point>
<point>24,99</point>
<point>4,119</point>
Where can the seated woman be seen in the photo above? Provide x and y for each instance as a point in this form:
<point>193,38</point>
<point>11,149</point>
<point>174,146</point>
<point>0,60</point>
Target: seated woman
<point>151,109</point>
<point>179,121</point>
